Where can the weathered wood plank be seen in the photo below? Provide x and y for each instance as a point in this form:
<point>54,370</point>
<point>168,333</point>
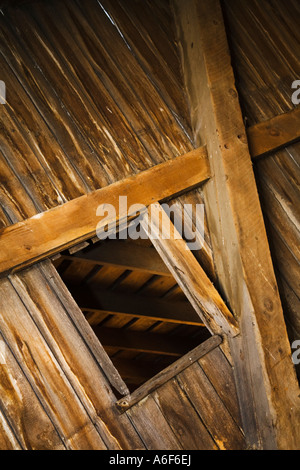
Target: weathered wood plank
<point>188,273</point>
<point>8,440</point>
<point>81,358</point>
<point>271,135</point>
<point>61,227</point>
<point>239,240</point>
<point>168,373</point>
<point>44,373</point>
<point>27,419</point>
<point>263,40</point>
<point>153,44</point>
<point>211,409</point>
<point>220,374</point>
<point>152,426</point>
<point>183,418</point>
<point>138,86</point>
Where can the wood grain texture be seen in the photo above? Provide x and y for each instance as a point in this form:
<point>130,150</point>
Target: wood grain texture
<point>150,423</point>
<point>8,440</point>
<point>239,239</point>
<point>188,273</point>
<point>271,135</point>
<point>189,406</point>
<point>264,39</point>
<point>211,409</point>
<point>28,421</point>
<point>61,227</point>
<point>169,373</point>
<point>72,81</point>
<point>45,375</point>
<point>183,418</point>
<point>220,373</point>
<point>47,348</point>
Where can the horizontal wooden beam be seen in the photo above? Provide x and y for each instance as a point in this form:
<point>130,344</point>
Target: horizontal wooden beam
<point>96,301</point>
<point>276,133</point>
<point>152,343</point>
<point>188,273</point>
<point>125,255</point>
<point>53,231</point>
<point>167,374</point>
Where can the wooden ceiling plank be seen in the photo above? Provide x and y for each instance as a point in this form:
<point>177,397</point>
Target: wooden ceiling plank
<point>135,369</point>
<point>143,342</point>
<point>261,352</point>
<point>62,227</point>
<point>126,255</point>
<point>94,300</point>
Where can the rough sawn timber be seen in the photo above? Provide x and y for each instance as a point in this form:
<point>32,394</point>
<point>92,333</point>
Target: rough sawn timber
<point>261,353</point>
<point>188,273</point>
<point>62,227</point>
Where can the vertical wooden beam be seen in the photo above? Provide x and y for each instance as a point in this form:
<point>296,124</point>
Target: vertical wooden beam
<point>266,382</point>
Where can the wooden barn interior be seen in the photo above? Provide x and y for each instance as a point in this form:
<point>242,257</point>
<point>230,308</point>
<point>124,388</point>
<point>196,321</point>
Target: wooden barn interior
<point>112,342</point>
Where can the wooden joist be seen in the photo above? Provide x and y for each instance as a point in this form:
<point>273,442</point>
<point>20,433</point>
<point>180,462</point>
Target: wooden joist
<point>168,373</point>
<point>188,273</point>
<point>152,343</point>
<point>53,231</point>
<point>124,255</point>
<point>276,133</point>
<point>261,353</point>
<point>96,302</point>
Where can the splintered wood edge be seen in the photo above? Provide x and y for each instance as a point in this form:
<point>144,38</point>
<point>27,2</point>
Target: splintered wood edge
<point>169,373</point>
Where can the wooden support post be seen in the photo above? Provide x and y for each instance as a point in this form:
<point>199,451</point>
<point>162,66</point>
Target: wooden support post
<point>266,382</point>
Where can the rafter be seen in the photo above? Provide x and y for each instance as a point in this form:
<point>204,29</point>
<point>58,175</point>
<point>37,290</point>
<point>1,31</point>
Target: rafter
<point>124,255</point>
<point>97,302</point>
<point>152,343</point>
